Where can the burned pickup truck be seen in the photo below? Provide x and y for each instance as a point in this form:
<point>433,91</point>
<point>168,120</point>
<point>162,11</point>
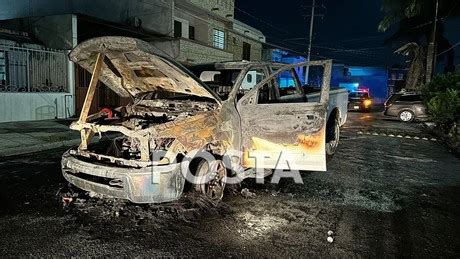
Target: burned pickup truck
<point>249,110</point>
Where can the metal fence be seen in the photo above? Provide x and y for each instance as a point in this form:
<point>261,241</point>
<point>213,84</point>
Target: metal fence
<point>32,70</point>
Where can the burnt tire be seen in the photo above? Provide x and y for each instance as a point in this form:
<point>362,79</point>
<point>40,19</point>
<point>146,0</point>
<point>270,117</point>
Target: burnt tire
<point>332,137</point>
<point>211,179</point>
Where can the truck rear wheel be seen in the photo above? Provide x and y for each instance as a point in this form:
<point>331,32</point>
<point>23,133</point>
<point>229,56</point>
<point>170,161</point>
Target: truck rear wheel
<point>332,138</point>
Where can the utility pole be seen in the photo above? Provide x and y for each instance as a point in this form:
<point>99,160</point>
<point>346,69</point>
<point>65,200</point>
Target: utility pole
<point>312,21</point>
<point>431,55</point>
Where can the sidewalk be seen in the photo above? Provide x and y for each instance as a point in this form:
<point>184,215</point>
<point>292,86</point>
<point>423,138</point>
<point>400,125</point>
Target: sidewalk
<point>17,138</point>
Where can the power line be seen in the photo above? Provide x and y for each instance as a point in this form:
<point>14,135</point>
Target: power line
<point>453,8</point>
<point>350,50</point>
<point>447,50</point>
<point>260,20</point>
<point>368,38</point>
<point>231,30</point>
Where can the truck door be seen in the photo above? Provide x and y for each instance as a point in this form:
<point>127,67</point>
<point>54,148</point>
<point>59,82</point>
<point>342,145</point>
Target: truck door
<point>283,130</point>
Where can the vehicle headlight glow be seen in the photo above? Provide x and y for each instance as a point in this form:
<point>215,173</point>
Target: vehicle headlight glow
<point>367,103</point>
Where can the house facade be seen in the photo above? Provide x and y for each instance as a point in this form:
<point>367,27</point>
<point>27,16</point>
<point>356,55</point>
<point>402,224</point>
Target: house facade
<point>37,81</point>
<point>246,42</point>
<point>206,31</point>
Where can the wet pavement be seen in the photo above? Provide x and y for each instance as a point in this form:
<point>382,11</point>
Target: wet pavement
<point>383,196</point>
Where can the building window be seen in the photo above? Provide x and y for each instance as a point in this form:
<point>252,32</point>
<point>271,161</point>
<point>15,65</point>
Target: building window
<point>191,32</point>
<point>246,51</point>
<point>2,67</point>
<point>219,39</point>
<point>177,29</point>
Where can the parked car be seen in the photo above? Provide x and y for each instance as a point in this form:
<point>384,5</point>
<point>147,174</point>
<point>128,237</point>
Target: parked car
<point>173,113</point>
<point>406,106</point>
<point>359,101</point>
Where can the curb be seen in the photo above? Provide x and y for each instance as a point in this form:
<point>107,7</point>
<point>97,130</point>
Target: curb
<point>15,151</point>
<point>396,135</point>
<point>443,138</point>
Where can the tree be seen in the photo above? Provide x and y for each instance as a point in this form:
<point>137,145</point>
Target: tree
<point>415,24</point>
<point>416,73</point>
<point>404,10</point>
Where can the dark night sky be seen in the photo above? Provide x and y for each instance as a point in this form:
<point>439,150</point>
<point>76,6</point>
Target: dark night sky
<point>347,32</point>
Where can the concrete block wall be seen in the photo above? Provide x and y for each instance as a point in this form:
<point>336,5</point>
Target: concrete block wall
<point>223,8</point>
<point>235,43</point>
<point>195,53</point>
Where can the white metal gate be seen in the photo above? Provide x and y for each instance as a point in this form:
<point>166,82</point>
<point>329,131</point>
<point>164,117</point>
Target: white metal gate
<point>32,70</point>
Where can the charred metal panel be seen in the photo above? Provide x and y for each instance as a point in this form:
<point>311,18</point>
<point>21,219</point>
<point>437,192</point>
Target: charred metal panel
<point>146,185</point>
<point>135,67</point>
<point>195,133</point>
<point>295,131</point>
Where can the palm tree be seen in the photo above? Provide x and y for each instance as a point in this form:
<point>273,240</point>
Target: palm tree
<point>415,21</point>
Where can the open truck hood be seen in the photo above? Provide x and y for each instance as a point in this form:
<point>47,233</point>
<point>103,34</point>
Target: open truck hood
<point>134,67</point>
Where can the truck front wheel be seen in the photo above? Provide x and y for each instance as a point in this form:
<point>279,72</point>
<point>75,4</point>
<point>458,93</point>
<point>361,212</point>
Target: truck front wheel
<point>211,178</point>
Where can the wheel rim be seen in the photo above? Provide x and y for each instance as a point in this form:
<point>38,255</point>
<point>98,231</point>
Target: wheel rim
<point>212,178</point>
<point>406,116</point>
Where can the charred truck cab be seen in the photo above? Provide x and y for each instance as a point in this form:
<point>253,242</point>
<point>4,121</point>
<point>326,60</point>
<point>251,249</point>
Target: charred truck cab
<point>173,113</point>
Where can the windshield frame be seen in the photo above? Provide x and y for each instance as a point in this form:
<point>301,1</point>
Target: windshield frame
<point>214,67</point>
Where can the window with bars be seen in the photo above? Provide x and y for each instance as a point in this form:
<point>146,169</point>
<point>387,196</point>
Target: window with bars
<point>2,67</point>
<point>219,39</point>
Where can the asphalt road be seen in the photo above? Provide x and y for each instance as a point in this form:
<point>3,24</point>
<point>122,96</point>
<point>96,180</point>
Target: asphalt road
<point>383,196</point>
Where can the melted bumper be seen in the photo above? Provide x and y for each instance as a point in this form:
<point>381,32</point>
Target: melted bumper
<point>155,184</point>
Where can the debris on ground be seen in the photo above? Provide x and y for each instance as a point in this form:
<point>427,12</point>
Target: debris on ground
<point>247,194</point>
<point>67,195</point>
<point>80,201</point>
<point>330,239</point>
<point>189,208</point>
<point>259,226</point>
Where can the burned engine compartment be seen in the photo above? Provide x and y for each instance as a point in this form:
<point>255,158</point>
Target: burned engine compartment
<point>143,113</point>
<point>149,110</point>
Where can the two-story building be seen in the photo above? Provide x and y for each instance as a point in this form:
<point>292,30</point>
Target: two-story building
<point>206,31</point>
<point>38,82</point>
